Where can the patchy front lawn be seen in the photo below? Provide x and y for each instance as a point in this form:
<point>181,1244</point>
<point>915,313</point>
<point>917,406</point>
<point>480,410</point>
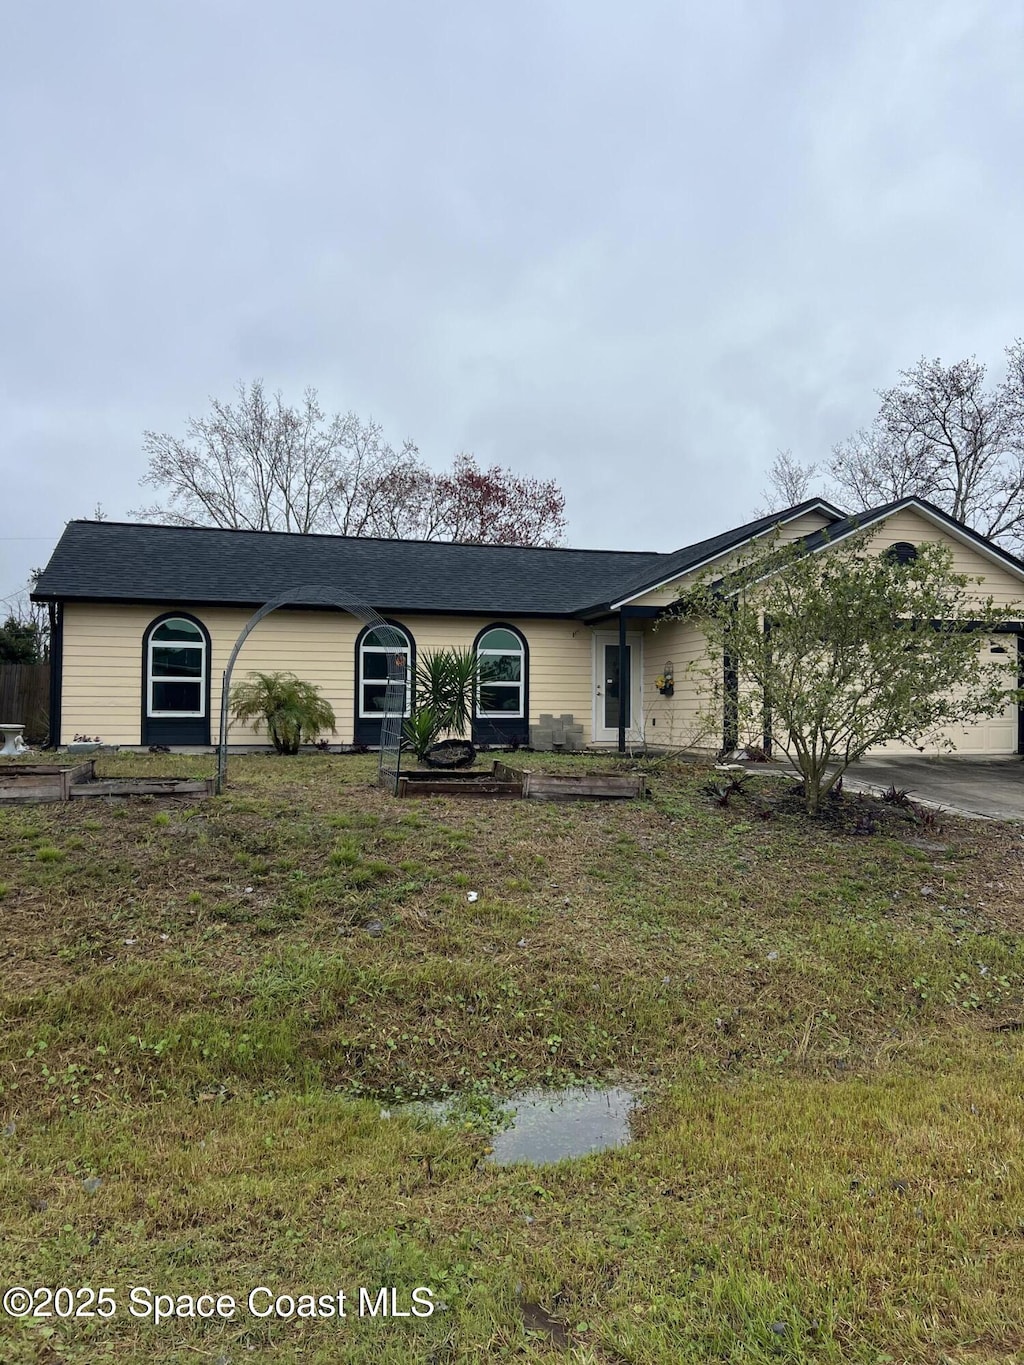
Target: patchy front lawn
<point>207,1006</point>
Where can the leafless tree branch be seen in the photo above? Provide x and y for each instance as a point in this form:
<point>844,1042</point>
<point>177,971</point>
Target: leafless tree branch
<point>259,464</point>
<point>941,434</point>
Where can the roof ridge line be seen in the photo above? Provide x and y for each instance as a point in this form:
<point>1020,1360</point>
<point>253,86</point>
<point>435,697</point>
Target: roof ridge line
<point>379,540</point>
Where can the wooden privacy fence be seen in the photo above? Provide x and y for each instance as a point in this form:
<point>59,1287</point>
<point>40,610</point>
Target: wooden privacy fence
<point>25,698</point>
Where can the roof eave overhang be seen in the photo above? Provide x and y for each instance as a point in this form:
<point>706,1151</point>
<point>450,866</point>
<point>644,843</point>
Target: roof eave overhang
<point>489,612</point>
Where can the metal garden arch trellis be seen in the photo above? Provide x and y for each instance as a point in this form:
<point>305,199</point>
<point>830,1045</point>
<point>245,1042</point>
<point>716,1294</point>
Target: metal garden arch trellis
<point>314,594</point>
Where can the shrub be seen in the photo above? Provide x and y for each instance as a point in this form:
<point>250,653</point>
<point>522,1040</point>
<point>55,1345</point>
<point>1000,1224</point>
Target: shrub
<point>421,731</point>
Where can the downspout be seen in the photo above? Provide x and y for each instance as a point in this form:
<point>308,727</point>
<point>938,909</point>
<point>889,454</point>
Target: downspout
<point>56,615</point>
<point>625,680</point>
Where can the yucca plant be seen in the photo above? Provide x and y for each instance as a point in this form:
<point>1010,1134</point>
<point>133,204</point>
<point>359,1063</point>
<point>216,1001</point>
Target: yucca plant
<point>292,710</point>
<point>442,697</point>
<point>445,683</point>
<point>421,731</point>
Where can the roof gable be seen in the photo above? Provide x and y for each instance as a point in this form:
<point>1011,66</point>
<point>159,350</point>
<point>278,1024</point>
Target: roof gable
<point>694,557</point>
<point>863,521</point>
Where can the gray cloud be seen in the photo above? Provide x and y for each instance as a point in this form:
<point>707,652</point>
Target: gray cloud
<point>638,248</point>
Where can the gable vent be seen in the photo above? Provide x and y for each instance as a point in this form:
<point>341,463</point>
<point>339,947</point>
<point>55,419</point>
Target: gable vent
<point>902,552</point>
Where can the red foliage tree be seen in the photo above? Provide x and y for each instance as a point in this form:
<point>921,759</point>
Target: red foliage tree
<point>496,507</point>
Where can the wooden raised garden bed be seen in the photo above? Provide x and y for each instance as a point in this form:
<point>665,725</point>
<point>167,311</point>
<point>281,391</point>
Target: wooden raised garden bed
<point>145,786</point>
<point>499,782</point>
<point>503,781</point>
<point>24,782</point>
<point>584,786</point>
<point>21,783</point>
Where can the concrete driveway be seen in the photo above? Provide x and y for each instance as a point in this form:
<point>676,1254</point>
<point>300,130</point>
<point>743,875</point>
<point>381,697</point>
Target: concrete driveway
<point>992,787</point>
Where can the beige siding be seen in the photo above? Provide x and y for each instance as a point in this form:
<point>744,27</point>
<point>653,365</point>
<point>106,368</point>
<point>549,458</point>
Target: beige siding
<point>659,597</point>
<point>676,721</point>
<point>997,735</point>
<point>802,526</point>
<point>560,658</point>
<point>102,672</point>
<point>102,675</point>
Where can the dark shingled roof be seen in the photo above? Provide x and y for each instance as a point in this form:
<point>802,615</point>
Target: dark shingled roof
<point>125,562</point>
<point>129,562</point>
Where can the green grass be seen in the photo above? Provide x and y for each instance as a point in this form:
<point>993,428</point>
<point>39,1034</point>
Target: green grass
<point>194,1011</point>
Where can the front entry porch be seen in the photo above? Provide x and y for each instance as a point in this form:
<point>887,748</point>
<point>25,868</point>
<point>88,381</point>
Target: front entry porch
<point>617,673</point>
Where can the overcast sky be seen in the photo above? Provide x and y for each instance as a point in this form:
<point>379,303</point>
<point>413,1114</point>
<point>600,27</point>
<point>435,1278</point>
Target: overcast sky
<point>637,248</point>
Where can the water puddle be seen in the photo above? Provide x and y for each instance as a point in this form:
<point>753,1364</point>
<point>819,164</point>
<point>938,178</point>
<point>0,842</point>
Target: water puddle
<point>540,1126</point>
<point>548,1125</point>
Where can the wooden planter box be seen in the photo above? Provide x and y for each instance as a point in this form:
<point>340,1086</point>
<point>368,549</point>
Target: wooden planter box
<point>25,782</point>
<point>145,786</point>
<point>503,781</point>
<point>584,786</point>
<point>21,783</point>
<point>499,782</point>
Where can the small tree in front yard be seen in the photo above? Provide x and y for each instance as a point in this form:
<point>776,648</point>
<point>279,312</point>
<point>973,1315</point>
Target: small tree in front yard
<point>292,710</point>
<point>837,651</point>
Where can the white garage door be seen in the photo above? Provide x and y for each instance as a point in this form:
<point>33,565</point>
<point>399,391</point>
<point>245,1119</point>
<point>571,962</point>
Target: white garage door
<point>991,735</point>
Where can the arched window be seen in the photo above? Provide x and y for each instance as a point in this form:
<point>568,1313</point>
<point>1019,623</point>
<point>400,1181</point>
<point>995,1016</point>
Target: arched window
<point>176,669</point>
<point>372,678</point>
<point>501,693</point>
<point>176,681</point>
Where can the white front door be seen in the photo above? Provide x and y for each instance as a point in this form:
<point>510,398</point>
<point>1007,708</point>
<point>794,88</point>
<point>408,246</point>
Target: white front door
<point>607,686</point>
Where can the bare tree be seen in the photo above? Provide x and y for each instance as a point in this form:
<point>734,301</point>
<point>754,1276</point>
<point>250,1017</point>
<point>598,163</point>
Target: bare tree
<point>789,482</point>
<point>941,434</point>
<point>260,464</point>
<point>1011,394</point>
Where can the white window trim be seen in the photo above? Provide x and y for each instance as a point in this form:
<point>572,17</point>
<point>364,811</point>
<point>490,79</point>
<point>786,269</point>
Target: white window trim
<point>385,649</point>
<point>152,678</point>
<point>521,684</point>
